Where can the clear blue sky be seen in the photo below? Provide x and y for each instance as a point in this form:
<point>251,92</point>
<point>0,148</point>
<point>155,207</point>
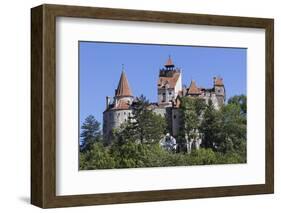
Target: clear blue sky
<point>100,66</point>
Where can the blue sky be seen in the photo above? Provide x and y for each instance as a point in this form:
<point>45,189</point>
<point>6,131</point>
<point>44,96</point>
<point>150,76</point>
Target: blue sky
<point>100,66</point>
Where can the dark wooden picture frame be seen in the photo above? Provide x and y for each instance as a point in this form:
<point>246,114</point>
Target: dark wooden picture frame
<point>43,105</point>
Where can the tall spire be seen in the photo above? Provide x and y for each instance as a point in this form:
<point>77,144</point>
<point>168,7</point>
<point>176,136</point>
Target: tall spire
<point>123,88</point>
<point>169,62</point>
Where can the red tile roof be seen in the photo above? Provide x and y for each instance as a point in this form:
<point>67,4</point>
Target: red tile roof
<point>162,81</point>
<point>218,81</point>
<point>169,62</point>
<point>193,89</point>
<point>122,104</point>
<point>123,88</point>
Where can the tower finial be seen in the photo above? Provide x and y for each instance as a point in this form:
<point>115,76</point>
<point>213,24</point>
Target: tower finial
<point>123,88</point>
<point>169,63</point>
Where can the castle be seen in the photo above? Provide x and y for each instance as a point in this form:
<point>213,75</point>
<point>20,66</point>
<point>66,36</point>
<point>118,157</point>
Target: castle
<point>169,91</point>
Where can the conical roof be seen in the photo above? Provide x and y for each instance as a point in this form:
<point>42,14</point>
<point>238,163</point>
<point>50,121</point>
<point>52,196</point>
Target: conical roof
<point>169,62</point>
<point>123,88</point>
<point>193,89</point>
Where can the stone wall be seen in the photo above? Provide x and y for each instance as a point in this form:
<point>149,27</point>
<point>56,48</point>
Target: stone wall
<point>113,119</point>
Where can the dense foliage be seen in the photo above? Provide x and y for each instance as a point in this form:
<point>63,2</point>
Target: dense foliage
<point>91,133</point>
<point>136,143</point>
<point>143,127</point>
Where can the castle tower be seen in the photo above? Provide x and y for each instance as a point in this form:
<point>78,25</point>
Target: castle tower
<point>219,90</point>
<point>120,110</point>
<point>169,83</point>
<point>123,92</point>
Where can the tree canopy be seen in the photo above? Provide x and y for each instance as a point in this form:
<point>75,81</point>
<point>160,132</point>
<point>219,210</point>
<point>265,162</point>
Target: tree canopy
<point>136,142</point>
<point>191,110</point>
<point>91,132</point>
<point>144,126</point>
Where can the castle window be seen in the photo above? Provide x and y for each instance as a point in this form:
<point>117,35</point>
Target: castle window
<point>124,113</point>
<point>175,116</point>
<point>164,97</point>
<point>170,93</point>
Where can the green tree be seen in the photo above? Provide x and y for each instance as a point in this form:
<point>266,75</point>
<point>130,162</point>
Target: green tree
<point>91,132</point>
<point>202,157</point>
<point>136,145</point>
<point>191,110</point>
<point>224,130</point>
<point>233,130</point>
<point>96,157</point>
<point>144,126</point>
<point>129,155</point>
<point>140,106</point>
<point>199,106</point>
<point>241,101</point>
<point>211,127</point>
<point>189,120</point>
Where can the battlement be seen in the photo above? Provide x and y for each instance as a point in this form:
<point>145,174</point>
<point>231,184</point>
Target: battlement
<point>168,72</point>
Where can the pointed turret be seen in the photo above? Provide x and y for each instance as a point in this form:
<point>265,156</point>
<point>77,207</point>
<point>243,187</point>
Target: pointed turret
<point>193,89</point>
<point>123,88</point>
<point>119,111</point>
<point>169,63</point>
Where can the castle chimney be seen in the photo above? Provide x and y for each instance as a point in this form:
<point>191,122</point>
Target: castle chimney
<point>107,102</point>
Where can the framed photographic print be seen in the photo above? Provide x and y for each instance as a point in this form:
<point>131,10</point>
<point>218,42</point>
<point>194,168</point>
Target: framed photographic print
<point>136,106</point>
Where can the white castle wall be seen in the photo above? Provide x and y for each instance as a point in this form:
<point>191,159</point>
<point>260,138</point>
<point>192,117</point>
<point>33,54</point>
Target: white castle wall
<point>123,99</point>
<point>166,95</point>
<point>160,111</point>
<point>178,86</point>
<point>113,119</point>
